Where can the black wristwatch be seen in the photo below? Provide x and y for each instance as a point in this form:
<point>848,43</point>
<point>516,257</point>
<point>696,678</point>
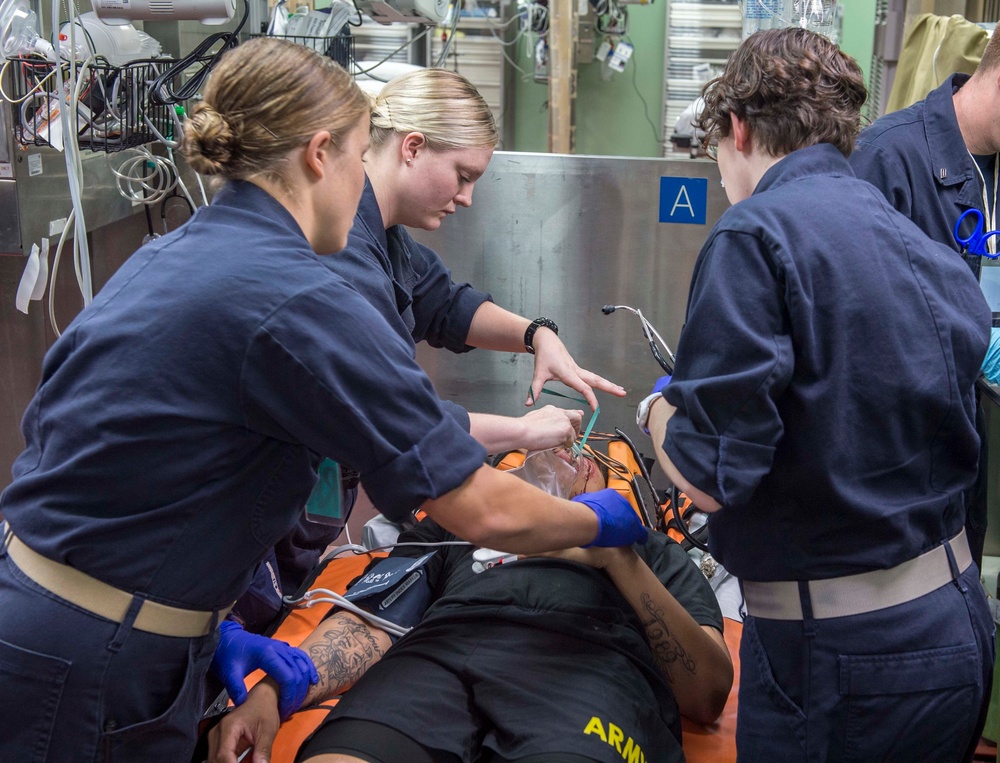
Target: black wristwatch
<point>529,333</point>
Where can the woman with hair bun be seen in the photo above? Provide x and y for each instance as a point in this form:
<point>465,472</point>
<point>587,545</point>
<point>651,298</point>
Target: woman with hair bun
<point>176,430</point>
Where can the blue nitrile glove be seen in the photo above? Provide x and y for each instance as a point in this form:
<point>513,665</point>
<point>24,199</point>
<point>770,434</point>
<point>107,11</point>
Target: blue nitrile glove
<point>240,653</point>
<point>661,383</point>
<point>618,524</point>
<point>991,363</point>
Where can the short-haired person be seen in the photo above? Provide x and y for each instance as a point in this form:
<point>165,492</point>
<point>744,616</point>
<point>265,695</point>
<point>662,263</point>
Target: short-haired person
<point>822,409</point>
<point>934,161</point>
<point>587,656</point>
<point>178,423</point>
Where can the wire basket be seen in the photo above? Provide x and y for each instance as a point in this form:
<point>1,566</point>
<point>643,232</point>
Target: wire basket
<point>339,47</point>
<point>113,112</point>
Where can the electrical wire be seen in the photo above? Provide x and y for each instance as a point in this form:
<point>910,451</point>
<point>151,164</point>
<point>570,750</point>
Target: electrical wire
<point>36,88</point>
<point>358,70</point>
<point>161,90</point>
<point>492,26</point>
<point>657,137</point>
<point>443,55</point>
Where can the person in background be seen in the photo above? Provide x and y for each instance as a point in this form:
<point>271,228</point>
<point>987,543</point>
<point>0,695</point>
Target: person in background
<point>934,161</point>
<point>586,656</point>
<point>822,408</point>
<point>179,420</point>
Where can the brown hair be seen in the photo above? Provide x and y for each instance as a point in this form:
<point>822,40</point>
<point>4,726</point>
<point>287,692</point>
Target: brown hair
<point>794,88</point>
<point>441,104</point>
<point>249,121</point>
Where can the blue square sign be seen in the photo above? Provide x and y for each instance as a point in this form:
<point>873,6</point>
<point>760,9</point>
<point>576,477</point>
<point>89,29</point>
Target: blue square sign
<point>683,200</point>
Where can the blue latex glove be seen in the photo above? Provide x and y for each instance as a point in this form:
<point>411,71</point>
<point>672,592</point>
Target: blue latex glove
<point>618,524</point>
<point>240,653</point>
<point>661,383</point>
<point>991,363</point>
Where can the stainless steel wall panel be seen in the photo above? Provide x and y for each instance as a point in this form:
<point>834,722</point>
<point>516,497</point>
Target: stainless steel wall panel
<point>550,235</point>
<point>561,236</point>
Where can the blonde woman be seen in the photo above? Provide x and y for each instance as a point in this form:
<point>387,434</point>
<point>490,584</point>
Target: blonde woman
<point>174,436</point>
<point>432,137</point>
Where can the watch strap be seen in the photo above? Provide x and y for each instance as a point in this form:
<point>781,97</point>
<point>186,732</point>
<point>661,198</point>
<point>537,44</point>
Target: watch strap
<point>529,333</point>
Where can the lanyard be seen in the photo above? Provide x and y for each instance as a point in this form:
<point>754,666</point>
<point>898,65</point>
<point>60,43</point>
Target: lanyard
<point>989,210</point>
<point>577,447</point>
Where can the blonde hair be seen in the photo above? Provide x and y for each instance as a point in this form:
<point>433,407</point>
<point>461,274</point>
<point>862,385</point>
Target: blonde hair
<point>249,122</point>
<point>441,104</point>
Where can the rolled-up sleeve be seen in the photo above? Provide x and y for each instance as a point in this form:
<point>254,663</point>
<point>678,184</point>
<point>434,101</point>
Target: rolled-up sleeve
<point>326,370</point>
<point>734,359</point>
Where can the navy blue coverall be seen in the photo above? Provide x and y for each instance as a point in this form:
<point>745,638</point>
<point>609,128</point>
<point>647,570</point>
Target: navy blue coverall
<point>172,441</point>
<point>917,157</point>
<point>412,289</point>
<point>824,390</point>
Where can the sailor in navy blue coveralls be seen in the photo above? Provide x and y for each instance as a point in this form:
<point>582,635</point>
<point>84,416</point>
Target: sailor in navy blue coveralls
<point>918,158</point>
<point>412,289</point>
<point>171,443</point>
<point>824,398</point>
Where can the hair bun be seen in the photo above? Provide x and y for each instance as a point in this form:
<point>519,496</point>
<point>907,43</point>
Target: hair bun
<point>209,141</point>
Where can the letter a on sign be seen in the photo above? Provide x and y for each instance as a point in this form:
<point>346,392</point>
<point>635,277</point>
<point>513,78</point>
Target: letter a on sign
<point>683,200</point>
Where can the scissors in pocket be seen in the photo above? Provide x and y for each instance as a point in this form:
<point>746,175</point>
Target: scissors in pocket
<point>975,242</point>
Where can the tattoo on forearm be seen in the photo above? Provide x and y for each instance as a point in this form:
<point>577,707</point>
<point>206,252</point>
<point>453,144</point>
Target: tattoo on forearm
<point>348,650</point>
<point>666,649</point>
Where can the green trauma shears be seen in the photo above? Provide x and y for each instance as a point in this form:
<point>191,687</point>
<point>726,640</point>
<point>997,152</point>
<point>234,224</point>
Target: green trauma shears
<point>577,447</point>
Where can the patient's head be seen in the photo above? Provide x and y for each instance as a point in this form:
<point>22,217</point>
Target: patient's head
<point>590,475</point>
<point>557,471</point>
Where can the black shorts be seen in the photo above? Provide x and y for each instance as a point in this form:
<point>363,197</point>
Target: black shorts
<point>503,692</point>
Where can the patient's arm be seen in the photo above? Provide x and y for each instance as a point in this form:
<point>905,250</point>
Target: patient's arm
<point>693,658</point>
<point>342,647</point>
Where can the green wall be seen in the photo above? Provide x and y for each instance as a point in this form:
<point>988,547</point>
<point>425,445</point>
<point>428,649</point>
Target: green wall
<point>610,116</point>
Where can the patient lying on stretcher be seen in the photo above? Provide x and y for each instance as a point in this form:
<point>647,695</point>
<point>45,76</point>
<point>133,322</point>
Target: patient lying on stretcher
<point>587,654</point>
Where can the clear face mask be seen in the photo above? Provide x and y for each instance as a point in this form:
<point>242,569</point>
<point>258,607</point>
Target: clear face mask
<point>548,471</point>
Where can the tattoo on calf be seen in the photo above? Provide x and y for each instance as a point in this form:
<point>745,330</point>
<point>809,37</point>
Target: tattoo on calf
<point>666,649</point>
<point>349,650</point>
